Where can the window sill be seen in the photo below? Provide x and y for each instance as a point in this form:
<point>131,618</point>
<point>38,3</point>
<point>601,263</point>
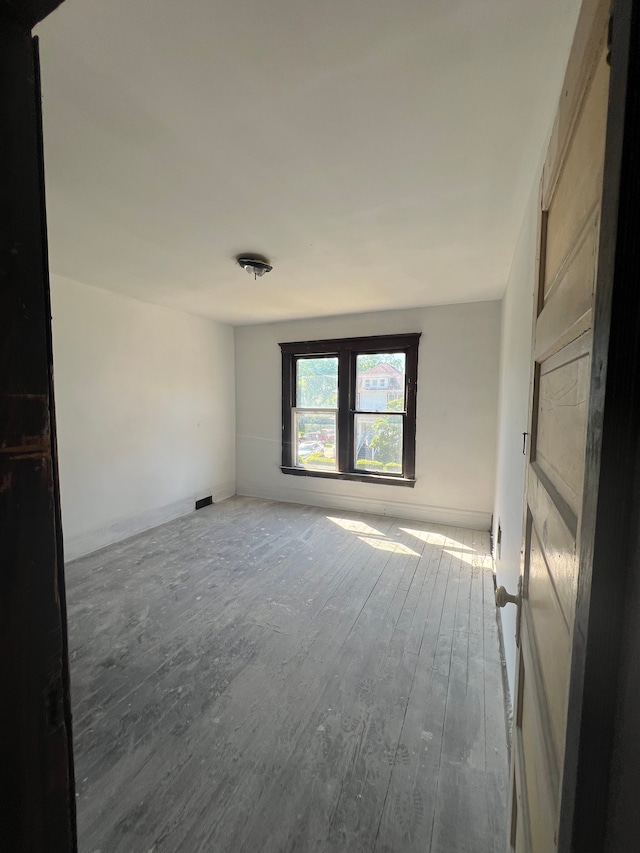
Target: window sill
<point>350,475</point>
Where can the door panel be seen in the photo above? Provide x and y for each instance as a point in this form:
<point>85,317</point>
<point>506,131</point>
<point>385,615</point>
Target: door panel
<point>579,185</point>
<point>567,262</point>
<point>561,395</point>
<point>568,314</point>
<point>552,639</point>
<point>557,542</point>
<point>539,794</point>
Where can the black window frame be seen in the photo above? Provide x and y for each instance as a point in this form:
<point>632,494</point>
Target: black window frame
<point>347,350</point>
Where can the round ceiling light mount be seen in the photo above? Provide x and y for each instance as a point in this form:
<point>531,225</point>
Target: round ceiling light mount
<point>256,265</point>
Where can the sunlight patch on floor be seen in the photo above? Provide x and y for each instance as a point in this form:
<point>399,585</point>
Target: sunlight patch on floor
<point>354,526</point>
<point>433,538</point>
<point>388,545</point>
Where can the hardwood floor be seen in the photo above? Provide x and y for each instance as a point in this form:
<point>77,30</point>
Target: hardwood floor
<point>269,677</point>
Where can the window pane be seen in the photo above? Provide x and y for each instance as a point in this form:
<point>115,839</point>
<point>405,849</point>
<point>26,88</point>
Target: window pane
<point>380,382</point>
<point>378,443</point>
<point>315,440</point>
<point>317,383</point>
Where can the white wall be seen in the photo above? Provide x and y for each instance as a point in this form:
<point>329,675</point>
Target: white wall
<point>456,417</point>
<point>145,402</point>
<point>513,416</point>
<point>515,367</point>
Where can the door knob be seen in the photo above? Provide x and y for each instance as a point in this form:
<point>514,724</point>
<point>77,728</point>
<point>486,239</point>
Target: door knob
<point>503,597</point>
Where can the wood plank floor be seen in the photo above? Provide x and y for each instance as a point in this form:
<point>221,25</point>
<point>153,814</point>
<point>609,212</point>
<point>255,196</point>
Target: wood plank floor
<point>267,677</point>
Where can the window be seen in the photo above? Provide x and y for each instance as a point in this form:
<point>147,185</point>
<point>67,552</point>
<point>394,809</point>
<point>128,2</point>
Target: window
<point>349,408</point>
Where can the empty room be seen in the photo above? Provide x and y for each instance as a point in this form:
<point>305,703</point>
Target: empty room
<point>318,491</point>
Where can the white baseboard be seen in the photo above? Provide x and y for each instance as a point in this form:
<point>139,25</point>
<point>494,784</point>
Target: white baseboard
<point>85,543</point>
<point>221,492</point>
<point>468,518</point>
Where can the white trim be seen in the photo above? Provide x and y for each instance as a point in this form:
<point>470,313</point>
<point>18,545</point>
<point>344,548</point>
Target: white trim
<point>467,518</point>
<point>85,543</point>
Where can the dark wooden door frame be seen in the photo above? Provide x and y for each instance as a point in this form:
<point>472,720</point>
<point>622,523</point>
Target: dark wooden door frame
<point>610,556</point>
<point>37,794</point>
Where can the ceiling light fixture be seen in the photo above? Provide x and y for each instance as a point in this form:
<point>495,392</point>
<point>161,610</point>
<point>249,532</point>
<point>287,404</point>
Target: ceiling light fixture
<point>254,264</point>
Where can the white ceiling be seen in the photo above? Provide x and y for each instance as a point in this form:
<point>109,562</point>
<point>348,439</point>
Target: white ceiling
<point>379,152</point>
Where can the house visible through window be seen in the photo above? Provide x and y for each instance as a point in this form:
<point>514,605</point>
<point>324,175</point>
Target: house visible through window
<point>349,408</point>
